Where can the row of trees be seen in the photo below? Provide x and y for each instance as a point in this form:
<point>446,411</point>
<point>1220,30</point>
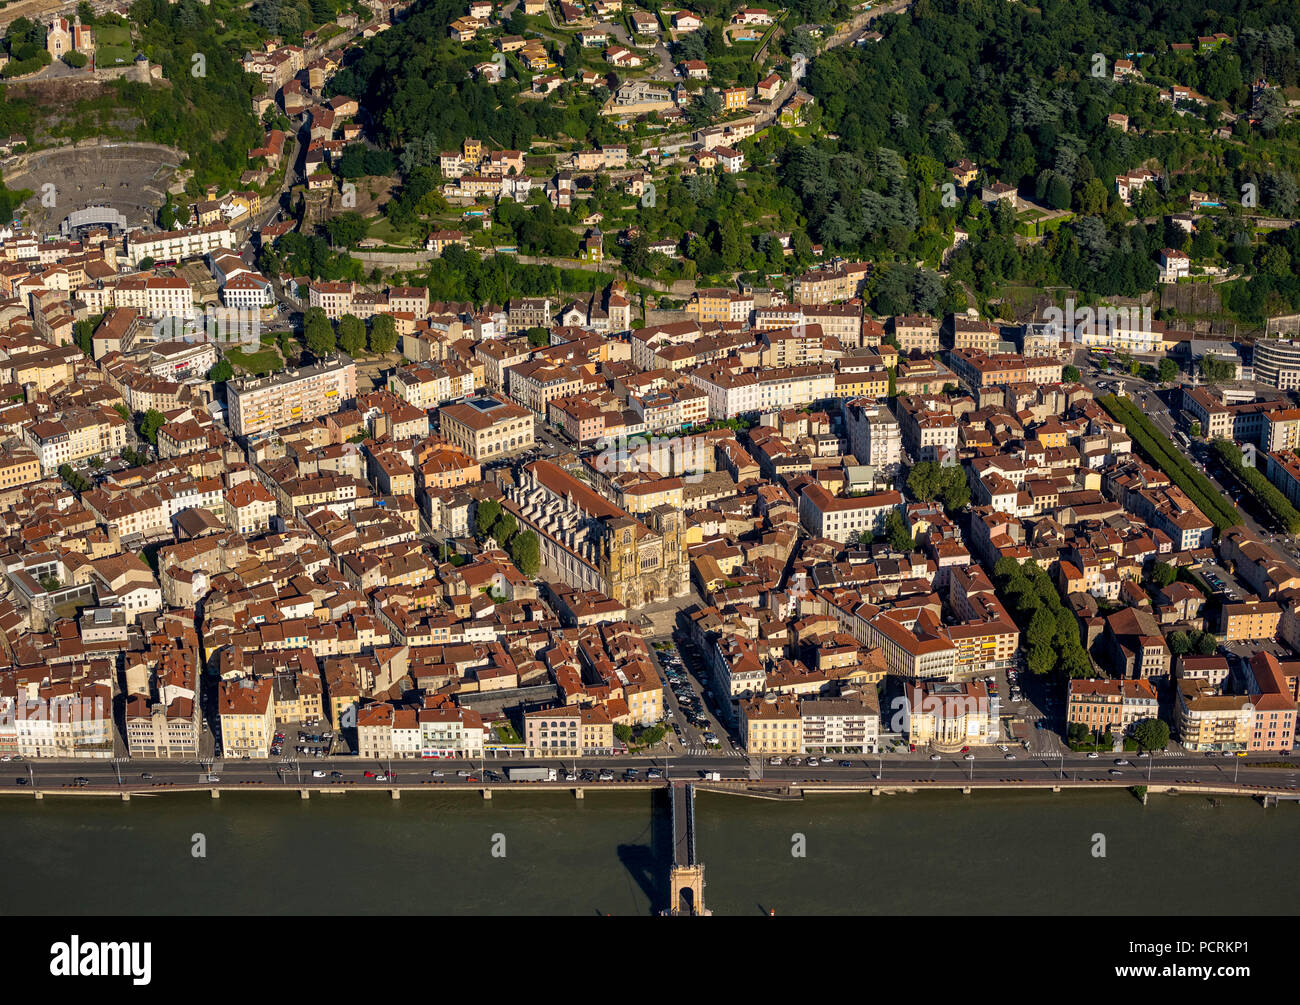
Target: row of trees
<point>1163,454</point>
<point>351,337</point>
<point>1050,631</point>
<point>1264,490</point>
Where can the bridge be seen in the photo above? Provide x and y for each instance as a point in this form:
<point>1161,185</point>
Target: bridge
<point>686,875</point>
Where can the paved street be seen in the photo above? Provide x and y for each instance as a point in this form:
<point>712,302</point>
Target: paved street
<point>990,766</point>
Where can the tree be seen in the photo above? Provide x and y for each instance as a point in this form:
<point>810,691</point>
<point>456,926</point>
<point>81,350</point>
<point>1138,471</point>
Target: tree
<point>221,371</point>
<point>538,337</point>
<point>383,333</point>
<point>352,334</point>
<point>1162,574</point>
<point>1180,644</point>
<point>1151,734</point>
<point>898,533</point>
<point>1168,370</point>
<point>485,515</point>
<point>153,421</point>
<point>623,732</point>
<point>1206,644</point>
<point>319,333</point>
<point>346,229</point>
<point>505,528</point>
<point>83,333</point>
<point>1070,374</point>
<point>525,551</point>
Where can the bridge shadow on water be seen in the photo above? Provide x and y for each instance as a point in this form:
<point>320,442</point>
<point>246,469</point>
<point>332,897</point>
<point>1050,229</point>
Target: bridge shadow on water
<point>648,864</point>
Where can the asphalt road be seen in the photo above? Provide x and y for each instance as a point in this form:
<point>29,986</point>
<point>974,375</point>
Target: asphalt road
<point>991,766</point>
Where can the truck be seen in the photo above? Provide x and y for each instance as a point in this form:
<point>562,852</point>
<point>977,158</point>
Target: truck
<point>531,774</point>
<point>711,776</point>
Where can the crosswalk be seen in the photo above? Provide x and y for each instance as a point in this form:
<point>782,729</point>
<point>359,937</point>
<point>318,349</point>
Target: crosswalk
<point>709,752</point>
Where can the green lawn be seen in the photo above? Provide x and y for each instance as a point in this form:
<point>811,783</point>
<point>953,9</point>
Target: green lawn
<point>112,55</point>
<point>113,34</point>
<point>382,229</point>
<point>255,362</point>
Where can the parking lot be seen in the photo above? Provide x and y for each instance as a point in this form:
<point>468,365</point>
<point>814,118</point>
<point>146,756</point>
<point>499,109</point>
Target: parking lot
<point>686,688</point>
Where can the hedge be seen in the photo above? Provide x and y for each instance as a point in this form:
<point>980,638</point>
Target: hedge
<point>1161,451</point>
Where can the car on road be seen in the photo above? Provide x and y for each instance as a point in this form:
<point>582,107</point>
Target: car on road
<point>381,777</point>
<point>371,774</point>
<point>146,775</point>
<point>968,757</point>
<point>336,774</point>
<point>1123,762</point>
<point>846,764</point>
<point>21,781</point>
<point>936,757</point>
<point>81,780</point>
<point>1092,755</point>
<point>463,774</point>
<point>435,773</point>
<point>654,774</point>
<point>1008,757</point>
<point>318,774</point>
<point>1116,771</point>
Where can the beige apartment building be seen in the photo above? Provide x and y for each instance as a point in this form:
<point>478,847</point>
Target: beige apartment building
<point>487,427</point>
<point>247,711</point>
<point>553,732</point>
<point>160,730</point>
<point>260,404</point>
<point>771,725</point>
<point>1207,720</point>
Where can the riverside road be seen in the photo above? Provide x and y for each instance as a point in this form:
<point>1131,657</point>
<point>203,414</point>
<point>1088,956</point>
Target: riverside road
<point>146,776</point>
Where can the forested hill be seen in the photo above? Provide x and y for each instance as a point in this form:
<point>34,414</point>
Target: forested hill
<point>418,82</point>
<point>1011,87</point>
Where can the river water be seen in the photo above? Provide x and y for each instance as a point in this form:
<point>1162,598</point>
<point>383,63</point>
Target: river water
<point>544,853</point>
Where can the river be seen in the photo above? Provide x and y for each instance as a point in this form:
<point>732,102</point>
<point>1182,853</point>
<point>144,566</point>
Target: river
<point>545,853</point>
